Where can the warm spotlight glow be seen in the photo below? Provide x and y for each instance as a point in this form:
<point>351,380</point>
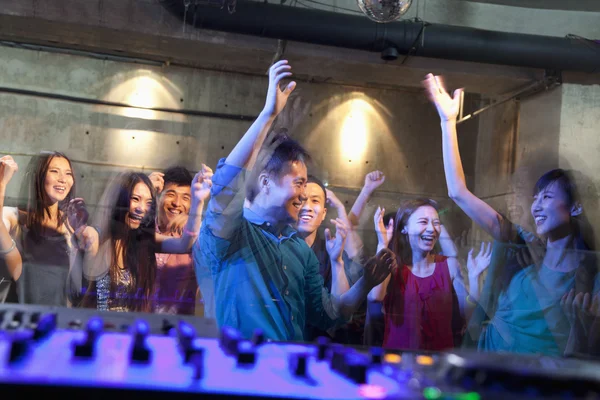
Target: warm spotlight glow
<point>136,137</point>
<point>354,129</point>
<point>143,93</point>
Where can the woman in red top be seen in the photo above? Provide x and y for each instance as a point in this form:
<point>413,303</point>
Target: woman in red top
<point>425,301</point>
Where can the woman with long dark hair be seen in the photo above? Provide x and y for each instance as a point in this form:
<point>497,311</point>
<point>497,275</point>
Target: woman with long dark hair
<point>424,298</point>
<point>119,263</point>
<point>41,229</point>
<point>530,273</point>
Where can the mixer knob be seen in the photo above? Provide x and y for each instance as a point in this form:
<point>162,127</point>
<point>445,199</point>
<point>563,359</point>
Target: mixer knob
<point>322,347</point>
<point>338,353</point>
<point>197,362</point>
<point>19,346</point>
<point>246,355</point>
<point>258,337</point>
<point>139,349</point>
<point>86,347</point>
<point>166,326</point>
<point>75,324</point>
<point>230,339</point>
<point>376,355</point>
<point>44,326</point>
<point>16,321</point>
<point>356,366</point>
<point>349,363</point>
<point>34,319</point>
<point>186,335</point>
<point>298,364</point>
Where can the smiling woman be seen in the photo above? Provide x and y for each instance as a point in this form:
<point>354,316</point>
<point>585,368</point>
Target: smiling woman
<point>41,230</point>
<point>119,266</point>
<point>122,270</point>
<point>140,204</point>
<point>529,274</point>
<point>424,299</point>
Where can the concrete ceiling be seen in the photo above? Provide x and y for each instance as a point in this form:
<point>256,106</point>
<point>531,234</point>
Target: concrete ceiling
<point>537,17</point>
<point>565,5</point>
<point>145,30</point>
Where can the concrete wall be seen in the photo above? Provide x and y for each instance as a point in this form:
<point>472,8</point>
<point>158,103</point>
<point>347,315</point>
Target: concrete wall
<point>495,155</point>
<point>396,131</point>
<point>579,144</point>
<point>504,150</point>
<point>518,142</point>
<point>554,129</point>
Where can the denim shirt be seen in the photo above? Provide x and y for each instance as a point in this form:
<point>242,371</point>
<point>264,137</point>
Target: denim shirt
<point>264,276</point>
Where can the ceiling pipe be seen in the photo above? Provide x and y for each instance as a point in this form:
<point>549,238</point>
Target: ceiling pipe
<point>401,37</point>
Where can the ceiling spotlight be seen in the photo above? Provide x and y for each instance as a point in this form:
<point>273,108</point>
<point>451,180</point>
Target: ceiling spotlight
<point>383,11</point>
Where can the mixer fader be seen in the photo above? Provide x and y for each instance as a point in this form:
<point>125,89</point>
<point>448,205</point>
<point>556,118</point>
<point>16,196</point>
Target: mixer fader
<point>41,354</point>
<point>180,361</point>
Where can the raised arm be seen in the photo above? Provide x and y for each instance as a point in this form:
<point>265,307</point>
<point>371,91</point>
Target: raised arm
<point>384,235</point>
<point>246,150</point>
<point>225,208</point>
<point>86,239</point>
<point>476,265</point>
<point>9,253</point>
<point>447,244</point>
<point>378,270</point>
<point>335,249</point>
<point>158,181</point>
<point>479,211</point>
<point>354,244</point>
<point>327,310</point>
<point>372,181</point>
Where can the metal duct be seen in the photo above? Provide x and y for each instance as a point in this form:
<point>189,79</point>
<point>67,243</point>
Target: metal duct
<point>403,37</point>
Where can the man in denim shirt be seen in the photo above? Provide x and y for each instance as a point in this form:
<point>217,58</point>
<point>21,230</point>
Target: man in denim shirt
<point>265,275</point>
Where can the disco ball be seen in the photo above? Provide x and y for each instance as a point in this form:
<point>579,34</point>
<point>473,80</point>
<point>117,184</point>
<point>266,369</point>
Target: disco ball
<point>384,10</point>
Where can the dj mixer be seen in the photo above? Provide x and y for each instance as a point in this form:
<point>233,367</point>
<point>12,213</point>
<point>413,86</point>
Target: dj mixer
<point>77,352</point>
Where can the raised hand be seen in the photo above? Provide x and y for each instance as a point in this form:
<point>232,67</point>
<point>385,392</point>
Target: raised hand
<point>373,180</point>
<point>476,265</point>
<point>77,214</point>
<point>8,167</point>
<point>202,184</point>
<point>447,107</point>
<point>384,233</point>
<point>379,267</point>
<point>277,98</point>
<point>580,308</point>
<point>86,237</point>
<point>333,201</point>
<point>335,244</point>
<point>158,181</point>
<point>295,111</point>
<point>177,225</point>
<point>354,243</point>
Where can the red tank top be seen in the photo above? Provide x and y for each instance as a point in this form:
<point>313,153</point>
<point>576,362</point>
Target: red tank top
<point>421,313</point>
